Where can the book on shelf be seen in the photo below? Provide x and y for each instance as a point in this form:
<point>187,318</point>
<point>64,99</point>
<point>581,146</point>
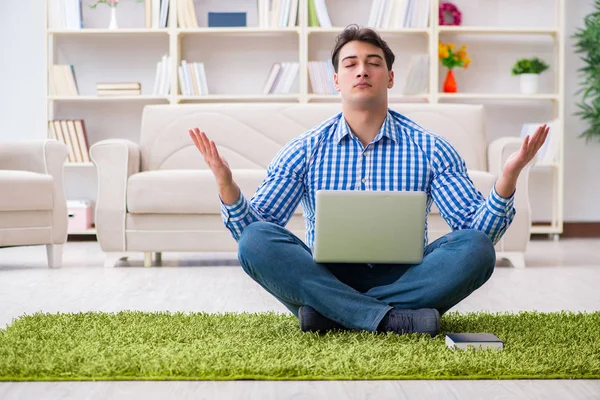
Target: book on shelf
<point>64,14</point>
<point>73,134</point>
<point>277,13</point>
<point>162,79</point>
<point>395,14</point>
<point>549,152</point>
<point>417,76</point>
<point>281,77</point>
<point>226,19</point>
<point>62,80</point>
<point>481,341</point>
<point>156,13</point>
<point>186,14</point>
<point>118,88</point>
<point>192,79</point>
<point>320,74</point>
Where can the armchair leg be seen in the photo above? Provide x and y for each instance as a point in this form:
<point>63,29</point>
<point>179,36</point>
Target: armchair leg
<point>54,253</point>
<point>111,258</point>
<point>158,258</point>
<point>517,259</point>
<point>148,259</point>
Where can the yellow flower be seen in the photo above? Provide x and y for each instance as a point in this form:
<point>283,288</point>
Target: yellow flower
<point>467,61</point>
<point>462,54</point>
<point>444,53</point>
<point>452,47</point>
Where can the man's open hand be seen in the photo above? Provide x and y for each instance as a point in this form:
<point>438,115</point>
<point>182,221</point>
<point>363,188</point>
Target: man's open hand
<point>519,159</point>
<point>212,158</point>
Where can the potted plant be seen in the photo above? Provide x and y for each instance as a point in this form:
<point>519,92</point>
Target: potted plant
<point>587,46</point>
<point>451,58</point>
<point>113,10</point>
<point>529,70</point>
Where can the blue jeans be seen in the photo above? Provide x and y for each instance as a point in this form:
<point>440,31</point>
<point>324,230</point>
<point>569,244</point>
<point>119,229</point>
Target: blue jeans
<point>358,295</point>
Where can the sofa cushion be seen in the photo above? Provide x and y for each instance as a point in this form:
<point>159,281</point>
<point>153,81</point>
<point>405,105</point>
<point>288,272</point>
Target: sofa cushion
<point>184,191</point>
<point>25,191</point>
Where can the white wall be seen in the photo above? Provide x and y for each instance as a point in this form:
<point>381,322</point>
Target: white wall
<point>22,114</point>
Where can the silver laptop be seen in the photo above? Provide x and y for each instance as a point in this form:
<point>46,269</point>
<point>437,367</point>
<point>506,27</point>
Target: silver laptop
<point>369,227</point>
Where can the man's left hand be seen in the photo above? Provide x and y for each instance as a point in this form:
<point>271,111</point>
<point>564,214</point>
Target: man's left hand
<point>519,159</point>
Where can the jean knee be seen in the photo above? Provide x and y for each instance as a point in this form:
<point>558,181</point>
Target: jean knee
<point>251,244</point>
<point>481,252</point>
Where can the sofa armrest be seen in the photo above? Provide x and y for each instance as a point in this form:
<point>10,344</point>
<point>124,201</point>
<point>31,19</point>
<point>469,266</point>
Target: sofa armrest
<point>43,156</point>
<point>517,235</point>
<point>115,160</point>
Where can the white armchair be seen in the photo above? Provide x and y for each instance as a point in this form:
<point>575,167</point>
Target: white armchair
<point>33,209</point>
<point>158,195</point>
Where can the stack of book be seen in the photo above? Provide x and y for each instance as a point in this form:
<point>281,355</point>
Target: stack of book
<point>277,13</point>
<point>281,77</point>
<point>321,77</point>
<point>399,14</point>
<point>192,79</point>
<point>62,80</point>
<point>118,88</point>
<point>72,133</point>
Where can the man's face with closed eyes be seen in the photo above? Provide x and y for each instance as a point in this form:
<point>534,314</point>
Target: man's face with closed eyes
<point>363,76</point>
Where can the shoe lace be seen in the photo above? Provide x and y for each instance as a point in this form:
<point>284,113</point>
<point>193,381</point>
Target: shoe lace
<point>402,321</point>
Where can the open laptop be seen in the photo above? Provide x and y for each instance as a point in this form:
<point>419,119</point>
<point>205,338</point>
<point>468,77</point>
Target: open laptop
<point>378,227</point>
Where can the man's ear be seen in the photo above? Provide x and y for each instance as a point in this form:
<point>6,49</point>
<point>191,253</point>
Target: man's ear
<point>391,80</point>
<point>335,80</point>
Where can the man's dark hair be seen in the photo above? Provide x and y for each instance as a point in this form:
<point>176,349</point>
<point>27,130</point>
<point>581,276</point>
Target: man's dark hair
<point>354,32</point>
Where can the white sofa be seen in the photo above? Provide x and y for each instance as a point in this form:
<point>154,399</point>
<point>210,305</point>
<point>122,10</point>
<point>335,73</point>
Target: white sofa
<point>33,209</point>
<point>158,195</point>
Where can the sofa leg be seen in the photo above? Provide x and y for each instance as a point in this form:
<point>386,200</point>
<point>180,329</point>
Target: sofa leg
<point>54,253</point>
<point>517,259</point>
<point>111,258</point>
<point>148,259</point>
<point>158,258</point>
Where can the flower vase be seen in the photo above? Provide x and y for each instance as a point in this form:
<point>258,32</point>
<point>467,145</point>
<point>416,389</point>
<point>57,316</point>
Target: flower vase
<point>450,83</point>
<point>113,18</point>
<point>529,83</point>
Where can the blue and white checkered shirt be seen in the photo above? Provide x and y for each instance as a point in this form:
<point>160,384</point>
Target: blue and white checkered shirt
<point>402,157</point>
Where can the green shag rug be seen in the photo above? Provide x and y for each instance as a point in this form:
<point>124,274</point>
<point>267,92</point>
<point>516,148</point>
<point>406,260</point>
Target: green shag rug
<point>270,346</point>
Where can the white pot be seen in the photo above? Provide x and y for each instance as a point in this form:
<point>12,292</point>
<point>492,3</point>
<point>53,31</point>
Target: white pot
<point>529,83</point>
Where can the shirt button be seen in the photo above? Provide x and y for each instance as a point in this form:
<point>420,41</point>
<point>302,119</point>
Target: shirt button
<point>364,154</point>
<point>363,180</point>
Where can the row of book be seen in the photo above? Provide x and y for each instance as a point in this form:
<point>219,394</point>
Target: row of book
<point>62,80</point>
<point>67,14</point>
<point>72,133</point>
<point>394,14</point>
<point>281,77</point>
<point>318,16</point>
<point>192,79</point>
<point>320,74</point>
<point>277,13</point>
<point>162,79</point>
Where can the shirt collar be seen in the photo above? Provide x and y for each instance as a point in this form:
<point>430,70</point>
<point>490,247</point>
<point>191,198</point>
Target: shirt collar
<point>388,129</point>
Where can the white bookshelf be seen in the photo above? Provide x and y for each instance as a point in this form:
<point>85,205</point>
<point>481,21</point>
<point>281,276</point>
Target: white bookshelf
<point>238,60</point>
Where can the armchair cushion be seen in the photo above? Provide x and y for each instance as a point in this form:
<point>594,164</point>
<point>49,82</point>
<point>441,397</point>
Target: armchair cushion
<point>25,191</point>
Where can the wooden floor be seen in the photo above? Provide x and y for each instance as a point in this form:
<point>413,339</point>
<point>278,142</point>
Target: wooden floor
<point>561,275</point>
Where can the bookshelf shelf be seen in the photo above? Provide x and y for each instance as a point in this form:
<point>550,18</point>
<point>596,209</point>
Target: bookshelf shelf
<point>237,62</point>
<point>79,165</point>
<point>124,31</point>
<point>337,30</point>
<point>242,97</point>
<point>238,31</point>
<point>485,30</point>
<point>497,96</point>
<point>107,98</point>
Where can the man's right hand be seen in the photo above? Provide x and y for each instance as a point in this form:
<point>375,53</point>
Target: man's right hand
<point>220,168</point>
<point>212,158</point>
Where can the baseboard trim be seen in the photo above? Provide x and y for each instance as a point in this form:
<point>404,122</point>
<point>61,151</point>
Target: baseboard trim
<point>576,229</point>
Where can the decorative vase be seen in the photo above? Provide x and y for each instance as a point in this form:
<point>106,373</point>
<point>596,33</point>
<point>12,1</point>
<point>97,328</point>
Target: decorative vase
<point>113,18</point>
<point>529,83</point>
<point>450,83</point>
